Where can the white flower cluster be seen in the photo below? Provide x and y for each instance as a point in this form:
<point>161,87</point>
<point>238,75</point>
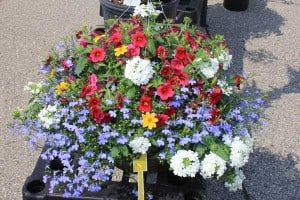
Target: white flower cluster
<point>226,89</point>
<point>237,184</point>
<point>132,2</point>
<point>212,164</point>
<point>240,151</point>
<point>225,58</point>
<point>145,10</point>
<point>185,163</point>
<point>46,116</point>
<point>138,70</point>
<point>209,69</point>
<point>140,145</point>
<point>33,88</point>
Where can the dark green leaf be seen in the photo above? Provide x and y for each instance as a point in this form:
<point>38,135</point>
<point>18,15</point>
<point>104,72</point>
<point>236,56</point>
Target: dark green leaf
<point>131,92</point>
<point>80,64</point>
<point>201,150</point>
<point>115,152</point>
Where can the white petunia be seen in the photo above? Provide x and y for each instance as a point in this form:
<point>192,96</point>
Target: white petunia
<point>240,151</point>
<point>138,70</point>
<point>185,163</point>
<point>238,182</point>
<point>131,2</point>
<point>209,69</point>
<point>146,10</point>
<point>225,58</point>
<point>33,88</point>
<point>226,89</point>
<point>140,145</point>
<point>46,116</point>
<point>212,164</point>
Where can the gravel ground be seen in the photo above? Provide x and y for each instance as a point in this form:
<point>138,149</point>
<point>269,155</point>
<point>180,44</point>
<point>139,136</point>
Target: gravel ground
<point>264,41</point>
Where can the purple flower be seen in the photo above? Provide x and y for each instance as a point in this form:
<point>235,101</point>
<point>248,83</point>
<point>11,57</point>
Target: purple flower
<point>122,140</point>
<point>184,141</point>
<point>160,142</point>
<point>136,121</point>
<point>162,155</point>
<point>95,187</point>
<point>114,133</point>
<point>109,101</point>
<point>113,113</point>
<point>148,133</point>
<point>103,138</point>
<point>197,137</point>
<point>184,89</point>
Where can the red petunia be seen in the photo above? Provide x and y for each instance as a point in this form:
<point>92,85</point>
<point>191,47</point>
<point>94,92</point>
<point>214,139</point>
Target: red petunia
<point>215,96</point>
<point>180,53</point>
<point>132,51</point>
<point>161,52</point>
<point>191,40</point>
<point>174,81</point>
<point>88,90</point>
<point>97,114</point>
<point>166,71</point>
<point>170,111</point>
<point>97,54</point>
<point>120,100</point>
<point>215,116</point>
<point>139,39</point>
<point>189,59</point>
<point>83,42</point>
<point>115,38</point>
<point>94,101</point>
<point>165,91</point>
<point>145,104</point>
<point>177,64</point>
<point>162,119</point>
<point>148,91</point>
<point>184,78</point>
<point>238,79</point>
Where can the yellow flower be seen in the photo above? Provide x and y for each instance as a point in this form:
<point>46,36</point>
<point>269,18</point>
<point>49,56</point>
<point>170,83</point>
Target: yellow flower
<point>61,87</point>
<point>149,120</point>
<point>85,24</point>
<point>98,37</point>
<point>120,50</point>
<point>52,73</point>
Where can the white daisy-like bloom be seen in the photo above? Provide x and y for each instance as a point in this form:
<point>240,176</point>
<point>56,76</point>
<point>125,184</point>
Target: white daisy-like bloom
<point>240,152</point>
<point>140,145</point>
<point>131,2</point>
<point>138,70</point>
<point>226,89</point>
<point>212,164</point>
<point>209,69</point>
<point>145,10</point>
<point>33,88</point>
<point>225,58</point>
<point>46,116</point>
<point>185,163</point>
<point>238,182</point>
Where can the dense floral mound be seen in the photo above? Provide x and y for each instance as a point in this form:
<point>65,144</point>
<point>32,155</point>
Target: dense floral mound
<point>141,87</point>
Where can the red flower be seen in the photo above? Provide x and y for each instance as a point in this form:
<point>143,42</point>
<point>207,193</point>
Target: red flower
<point>170,111</point>
<point>238,79</point>
<point>189,59</point>
<point>177,64</point>
<point>94,101</point>
<point>145,104</point>
<point>63,100</point>
<point>180,53</point>
<point>139,39</point>
<point>120,100</point>
<point>174,29</point>
<point>107,118</point>
<point>215,96</point>
<point>202,36</point>
<point>115,38</point>
<point>148,91</point>
<point>162,119</point>
<point>161,52</point>
<point>97,114</point>
<point>215,116</point>
<point>132,50</point>
<point>88,90</point>
<point>97,54</point>
<point>165,91</point>
<point>166,71</point>
<point>191,40</point>
<point>78,34</point>
<point>83,42</point>
<point>184,78</point>
<point>174,81</point>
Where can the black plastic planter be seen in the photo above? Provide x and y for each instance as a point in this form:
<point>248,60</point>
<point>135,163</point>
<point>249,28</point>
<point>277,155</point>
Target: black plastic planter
<point>162,185</point>
<point>110,10</point>
<point>236,5</point>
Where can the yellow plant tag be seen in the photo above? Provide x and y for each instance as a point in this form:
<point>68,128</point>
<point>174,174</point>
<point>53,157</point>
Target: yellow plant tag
<point>140,166</point>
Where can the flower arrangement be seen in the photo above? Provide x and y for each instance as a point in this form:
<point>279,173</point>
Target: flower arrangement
<point>140,87</point>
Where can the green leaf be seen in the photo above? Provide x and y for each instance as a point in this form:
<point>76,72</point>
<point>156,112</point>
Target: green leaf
<point>201,150</point>
<point>115,152</point>
<point>131,92</point>
<point>151,47</point>
<point>219,149</point>
<point>124,150</point>
<point>80,64</point>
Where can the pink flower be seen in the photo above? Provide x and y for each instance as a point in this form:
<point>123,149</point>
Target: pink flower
<point>132,50</point>
<point>97,54</point>
<point>139,39</point>
<point>177,64</point>
<point>165,91</point>
<point>93,80</point>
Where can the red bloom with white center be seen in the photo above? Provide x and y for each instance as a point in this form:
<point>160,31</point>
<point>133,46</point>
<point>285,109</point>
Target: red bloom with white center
<point>161,52</point>
<point>94,101</point>
<point>215,96</point>
<point>165,91</point>
<point>215,116</point>
<point>180,53</point>
<point>162,119</point>
<point>238,79</point>
<point>132,51</point>
<point>97,54</point>
<point>184,78</point>
<point>177,64</point>
<point>166,71</point>
<point>115,38</point>
<point>139,39</point>
<point>145,104</point>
